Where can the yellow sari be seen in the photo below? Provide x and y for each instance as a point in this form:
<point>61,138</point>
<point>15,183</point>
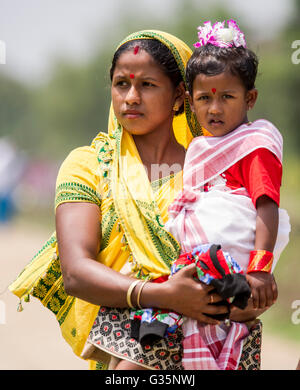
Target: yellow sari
<point>110,173</point>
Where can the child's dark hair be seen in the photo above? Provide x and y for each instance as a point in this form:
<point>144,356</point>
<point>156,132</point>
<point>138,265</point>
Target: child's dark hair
<point>161,55</point>
<point>212,60</point>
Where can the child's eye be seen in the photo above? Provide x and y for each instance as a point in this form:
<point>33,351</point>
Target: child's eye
<point>227,96</point>
<point>148,84</point>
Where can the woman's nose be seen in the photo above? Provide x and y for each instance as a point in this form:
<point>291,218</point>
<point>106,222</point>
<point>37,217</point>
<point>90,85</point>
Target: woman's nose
<point>133,96</point>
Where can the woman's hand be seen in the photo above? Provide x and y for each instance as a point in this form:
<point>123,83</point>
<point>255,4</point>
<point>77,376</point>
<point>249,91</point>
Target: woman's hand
<point>252,311</point>
<point>184,295</point>
<point>248,314</point>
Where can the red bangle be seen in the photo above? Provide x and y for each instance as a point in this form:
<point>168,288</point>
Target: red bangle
<point>260,261</point>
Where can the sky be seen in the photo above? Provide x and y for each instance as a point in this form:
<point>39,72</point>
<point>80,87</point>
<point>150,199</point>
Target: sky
<point>37,31</point>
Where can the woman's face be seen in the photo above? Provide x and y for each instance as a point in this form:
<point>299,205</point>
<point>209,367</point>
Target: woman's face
<point>142,94</point>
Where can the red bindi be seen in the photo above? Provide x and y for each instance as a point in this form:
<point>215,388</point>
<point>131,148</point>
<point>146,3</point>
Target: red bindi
<point>213,90</point>
<point>136,50</point>
<point>131,75</point>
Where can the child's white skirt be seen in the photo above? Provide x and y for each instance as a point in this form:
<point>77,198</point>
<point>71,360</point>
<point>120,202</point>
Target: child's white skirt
<point>225,218</point>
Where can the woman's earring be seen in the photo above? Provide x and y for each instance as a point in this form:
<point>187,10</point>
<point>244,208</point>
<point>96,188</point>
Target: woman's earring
<point>176,107</point>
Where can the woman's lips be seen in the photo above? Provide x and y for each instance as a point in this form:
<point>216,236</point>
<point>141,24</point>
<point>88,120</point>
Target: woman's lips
<point>132,114</point>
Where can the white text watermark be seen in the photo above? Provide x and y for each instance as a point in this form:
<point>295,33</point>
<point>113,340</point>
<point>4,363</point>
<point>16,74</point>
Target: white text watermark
<point>296,54</point>
<point>296,314</point>
<point>2,53</point>
<point>155,172</point>
<point>2,313</point>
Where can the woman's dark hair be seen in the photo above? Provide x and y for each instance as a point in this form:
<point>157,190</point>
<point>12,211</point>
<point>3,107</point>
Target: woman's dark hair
<point>212,60</point>
<point>161,55</point>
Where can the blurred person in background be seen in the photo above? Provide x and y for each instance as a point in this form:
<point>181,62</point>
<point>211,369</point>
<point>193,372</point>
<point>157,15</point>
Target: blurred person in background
<point>11,170</point>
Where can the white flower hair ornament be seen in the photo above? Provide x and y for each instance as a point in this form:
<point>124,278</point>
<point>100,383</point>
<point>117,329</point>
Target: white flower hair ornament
<point>220,36</point>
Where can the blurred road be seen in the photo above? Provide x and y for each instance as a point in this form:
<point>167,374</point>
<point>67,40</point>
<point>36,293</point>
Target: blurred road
<point>32,340</point>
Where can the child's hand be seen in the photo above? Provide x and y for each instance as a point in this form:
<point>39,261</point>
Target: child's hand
<point>263,289</point>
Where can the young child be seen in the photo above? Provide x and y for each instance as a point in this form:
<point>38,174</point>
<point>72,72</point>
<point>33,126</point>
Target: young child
<point>226,218</point>
<point>232,176</point>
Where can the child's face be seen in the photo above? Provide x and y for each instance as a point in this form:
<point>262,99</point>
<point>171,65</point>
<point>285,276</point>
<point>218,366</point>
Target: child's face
<point>221,102</point>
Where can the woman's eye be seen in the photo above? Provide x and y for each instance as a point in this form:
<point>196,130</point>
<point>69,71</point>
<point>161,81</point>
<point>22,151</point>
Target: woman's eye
<point>228,96</point>
<point>203,97</point>
<point>121,83</point>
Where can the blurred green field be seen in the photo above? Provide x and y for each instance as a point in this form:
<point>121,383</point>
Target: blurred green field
<point>287,273</point>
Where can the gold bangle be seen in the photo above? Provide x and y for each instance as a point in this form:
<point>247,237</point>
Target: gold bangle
<point>129,292</point>
<point>139,294</point>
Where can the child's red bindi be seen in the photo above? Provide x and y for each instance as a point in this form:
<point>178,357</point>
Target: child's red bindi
<point>131,75</point>
<point>213,90</point>
<point>136,50</point>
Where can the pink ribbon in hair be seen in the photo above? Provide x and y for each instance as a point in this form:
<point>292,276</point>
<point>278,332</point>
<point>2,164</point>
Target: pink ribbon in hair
<point>219,35</point>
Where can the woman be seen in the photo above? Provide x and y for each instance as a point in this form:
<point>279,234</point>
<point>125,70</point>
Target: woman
<point>111,206</point>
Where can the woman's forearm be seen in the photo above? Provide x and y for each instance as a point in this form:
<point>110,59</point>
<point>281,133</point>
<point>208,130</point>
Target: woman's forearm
<point>100,285</point>
<point>96,283</point>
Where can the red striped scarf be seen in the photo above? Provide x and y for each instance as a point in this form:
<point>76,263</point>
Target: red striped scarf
<point>212,348</point>
<point>208,157</point>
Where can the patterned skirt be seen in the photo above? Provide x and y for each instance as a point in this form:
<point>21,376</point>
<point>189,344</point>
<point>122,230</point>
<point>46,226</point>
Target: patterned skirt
<point>110,340</point>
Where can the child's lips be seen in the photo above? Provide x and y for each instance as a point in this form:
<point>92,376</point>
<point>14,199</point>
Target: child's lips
<point>216,122</point>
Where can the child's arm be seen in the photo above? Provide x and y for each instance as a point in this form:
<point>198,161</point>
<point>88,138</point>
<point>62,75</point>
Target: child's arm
<point>263,286</point>
<point>266,224</point>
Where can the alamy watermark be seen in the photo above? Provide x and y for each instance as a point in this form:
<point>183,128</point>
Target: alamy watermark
<point>296,54</point>
<point>2,53</point>
<point>296,314</point>
<point>155,173</point>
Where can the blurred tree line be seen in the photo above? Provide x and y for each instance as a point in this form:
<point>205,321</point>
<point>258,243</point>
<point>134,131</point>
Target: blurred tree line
<point>70,108</point>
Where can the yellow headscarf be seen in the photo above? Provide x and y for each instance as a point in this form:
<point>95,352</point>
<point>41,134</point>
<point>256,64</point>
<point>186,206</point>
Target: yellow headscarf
<point>152,247</point>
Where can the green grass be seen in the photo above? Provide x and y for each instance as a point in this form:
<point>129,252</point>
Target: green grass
<point>278,319</point>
